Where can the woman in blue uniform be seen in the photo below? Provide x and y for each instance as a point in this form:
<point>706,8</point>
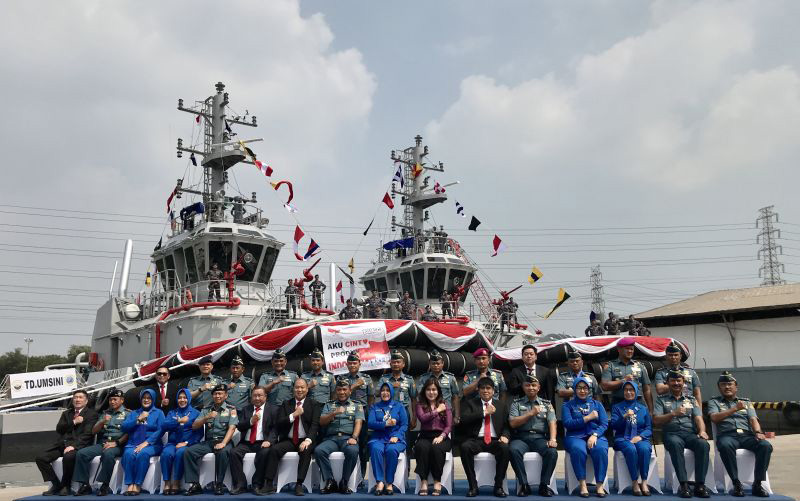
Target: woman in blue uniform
<point>585,422</point>
<point>143,427</point>
<point>633,428</point>
<point>181,435</point>
<point>388,420</point>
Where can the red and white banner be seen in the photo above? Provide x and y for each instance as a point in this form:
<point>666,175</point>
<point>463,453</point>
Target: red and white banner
<point>366,338</point>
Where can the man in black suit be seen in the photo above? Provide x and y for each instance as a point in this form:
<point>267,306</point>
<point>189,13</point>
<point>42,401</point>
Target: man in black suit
<point>165,390</point>
<point>75,432</point>
<point>257,434</point>
<point>297,424</point>
<point>487,419</point>
<point>529,368</point>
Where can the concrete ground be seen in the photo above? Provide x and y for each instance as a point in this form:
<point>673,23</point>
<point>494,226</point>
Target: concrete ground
<point>23,479</point>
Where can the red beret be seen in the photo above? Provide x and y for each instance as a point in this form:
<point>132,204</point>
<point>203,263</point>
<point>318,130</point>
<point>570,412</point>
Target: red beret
<point>480,352</point>
<point>626,341</point>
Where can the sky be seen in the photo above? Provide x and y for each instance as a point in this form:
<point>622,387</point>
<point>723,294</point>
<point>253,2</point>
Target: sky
<point>642,137</point>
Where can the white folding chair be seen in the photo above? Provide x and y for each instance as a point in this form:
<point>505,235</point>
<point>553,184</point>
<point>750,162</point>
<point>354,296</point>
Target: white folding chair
<point>58,469</point>
<point>572,480</point>
<point>485,466</point>
<point>447,475</point>
<point>287,471</point>
<point>671,479</point>
<point>400,474</point>
<point>622,477</point>
<point>207,471</point>
<point>337,464</point>
<point>533,469</point>
<point>115,483</point>
<point>152,479</point>
<point>745,463</point>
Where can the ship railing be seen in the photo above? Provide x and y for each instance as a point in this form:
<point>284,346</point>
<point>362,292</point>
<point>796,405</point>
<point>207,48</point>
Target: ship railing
<point>438,243</point>
<point>268,317</point>
<point>250,293</point>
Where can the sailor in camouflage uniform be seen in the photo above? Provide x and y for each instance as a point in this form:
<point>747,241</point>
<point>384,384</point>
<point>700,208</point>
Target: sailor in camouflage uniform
<point>220,420</point>
<point>239,386</point>
<point>360,392</point>
<point>375,305</point>
<point>673,361</point>
<point>279,383</point>
<point>109,446</point>
<point>738,428</point>
<point>470,387</point>
<point>445,300</point>
<point>429,315</point>
<point>291,293</point>
<point>349,311</point>
<point>343,419</point>
<point>320,382</point>
<point>512,308</point>
<point>533,429</point>
<point>317,287</point>
<point>611,325</point>
<point>407,307</point>
<point>681,421</point>
<point>566,378</point>
<point>214,276</point>
<point>626,369</point>
<point>447,382</point>
<point>201,386</point>
<point>404,389</point>
<point>594,329</point>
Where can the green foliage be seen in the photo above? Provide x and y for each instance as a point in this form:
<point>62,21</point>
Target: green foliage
<point>13,362</point>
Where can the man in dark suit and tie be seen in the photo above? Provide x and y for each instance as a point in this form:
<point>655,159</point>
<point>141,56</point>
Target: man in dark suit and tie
<point>297,424</point>
<point>487,419</point>
<point>257,434</point>
<point>75,432</point>
<point>165,391</point>
<point>529,368</point>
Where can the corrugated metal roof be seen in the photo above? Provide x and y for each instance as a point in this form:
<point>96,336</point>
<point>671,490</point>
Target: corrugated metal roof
<point>731,300</point>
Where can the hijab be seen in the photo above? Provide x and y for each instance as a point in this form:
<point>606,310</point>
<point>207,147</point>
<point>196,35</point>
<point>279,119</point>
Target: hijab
<point>631,425</point>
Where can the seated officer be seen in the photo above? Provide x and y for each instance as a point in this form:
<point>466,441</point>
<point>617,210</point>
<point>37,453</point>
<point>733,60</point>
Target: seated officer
<point>486,419</point>
<point>109,446</point>
<point>738,428</point>
<point>566,378</point>
<point>320,382</point>
<point>239,386</point>
<point>201,386</point>
<point>533,429</point>
<point>361,393</point>
<point>279,383</point>
<point>447,382</point>
<point>626,369</point>
<point>681,421</point>
<point>344,419</point>
<point>673,360</point>
<point>471,378</point>
<point>220,423</point>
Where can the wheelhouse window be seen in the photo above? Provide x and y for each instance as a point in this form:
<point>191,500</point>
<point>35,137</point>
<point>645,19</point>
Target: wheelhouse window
<point>436,277</point>
<point>369,285</point>
<point>200,254</point>
<point>220,253</point>
<point>191,266</point>
<point>268,264</point>
<point>169,263</point>
<point>419,282</point>
<point>405,282</point>
<point>381,282</point>
<point>455,279</point>
<point>249,268</point>
<point>466,287</point>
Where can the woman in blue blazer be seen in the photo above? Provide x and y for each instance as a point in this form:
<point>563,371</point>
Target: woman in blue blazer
<point>633,428</point>
<point>181,435</point>
<point>388,420</point>
<point>585,422</point>
<point>143,427</point>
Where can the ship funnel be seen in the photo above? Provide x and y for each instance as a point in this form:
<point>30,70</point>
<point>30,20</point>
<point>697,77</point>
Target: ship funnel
<point>126,268</point>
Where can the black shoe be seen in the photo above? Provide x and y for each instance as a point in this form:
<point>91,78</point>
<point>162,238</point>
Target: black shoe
<point>377,492</point>
<point>52,491</point>
<point>472,492</point>
<point>193,490</point>
<point>344,489</point>
<point>759,490</point>
<point>104,489</point>
<point>237,490</point>
<point>738,492</point>
<point>701,491</point>
<point>83,490</point>
<point>601,494</point>
<point>521,491</point>
<point>298,489</point>
<point>499,492</point>
<point>219,489</point>
<point>545,491</point>
<point>330,487</point>
<point>64,491</point>
<point>683,491</point>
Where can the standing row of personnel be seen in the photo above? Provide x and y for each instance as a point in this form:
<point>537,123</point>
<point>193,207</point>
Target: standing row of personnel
<point>613,326</point>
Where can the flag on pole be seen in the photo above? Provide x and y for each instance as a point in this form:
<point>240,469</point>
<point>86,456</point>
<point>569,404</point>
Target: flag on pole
<point>298,235</point>
<point>562,296</point>
<point>264,168</point>
<point>349,279</point>
<point>288,184</point>
<point>158,245</point>
<point>193,159</point>
<point>227,126</point>
<point>351,265</point>
<point>535,275</point>
<point>339,291</point>
<point>312,251</point>
<point>398,176</point>
<point>197,119</point>
<point>292,209</point>
<point>438,188</point>
<point>388,201</point>
<point>171,196</point>
<point>460,210</point>
<point>417,170</point>
<point>148,280</point>
<point>497,246</point>
<point>473,225</point>
<point>368,227</point>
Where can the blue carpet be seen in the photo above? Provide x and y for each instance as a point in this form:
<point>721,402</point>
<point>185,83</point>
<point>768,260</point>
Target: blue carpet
<point>460,488</point>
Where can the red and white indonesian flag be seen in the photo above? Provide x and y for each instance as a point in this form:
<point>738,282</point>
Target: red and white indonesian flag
<point>366,338</point>
<point>339,291</point>
<point>298,235</point>
<point>497,246</point>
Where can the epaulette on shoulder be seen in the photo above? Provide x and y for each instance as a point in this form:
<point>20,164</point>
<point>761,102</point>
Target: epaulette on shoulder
<point>744,399</point>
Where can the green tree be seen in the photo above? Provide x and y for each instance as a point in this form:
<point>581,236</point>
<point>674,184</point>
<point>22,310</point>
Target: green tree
<point>73,351</point>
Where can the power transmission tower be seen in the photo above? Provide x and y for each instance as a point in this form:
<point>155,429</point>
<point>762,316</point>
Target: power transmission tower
<point>598,303</point>
<point>770,269</point>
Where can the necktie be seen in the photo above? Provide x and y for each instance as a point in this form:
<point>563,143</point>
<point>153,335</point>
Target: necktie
<point>530,372</point>
<point>254,429</point>
<point>487,426</point>
<point>296,428</point>
<point>163,392</point>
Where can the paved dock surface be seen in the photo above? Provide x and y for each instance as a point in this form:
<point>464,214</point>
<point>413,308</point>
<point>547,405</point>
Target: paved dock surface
<point>23,479</point>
